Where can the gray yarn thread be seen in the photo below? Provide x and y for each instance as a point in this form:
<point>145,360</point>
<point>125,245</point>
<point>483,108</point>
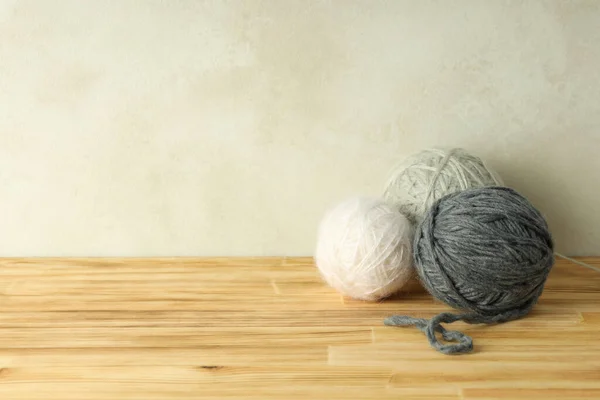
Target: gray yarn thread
<point>487,251</point>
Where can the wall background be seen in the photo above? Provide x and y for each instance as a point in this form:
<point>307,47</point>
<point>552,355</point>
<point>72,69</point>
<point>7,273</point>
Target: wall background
<point>145,128</point>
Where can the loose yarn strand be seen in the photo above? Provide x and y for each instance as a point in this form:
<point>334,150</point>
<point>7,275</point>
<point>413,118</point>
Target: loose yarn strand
<point>464,342</point>
<point>578,262</point>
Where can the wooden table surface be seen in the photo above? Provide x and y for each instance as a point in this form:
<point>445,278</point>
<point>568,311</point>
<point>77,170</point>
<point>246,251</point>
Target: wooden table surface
<point>268,328</point>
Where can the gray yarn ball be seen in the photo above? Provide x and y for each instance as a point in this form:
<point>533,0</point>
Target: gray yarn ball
<point>487,251</point>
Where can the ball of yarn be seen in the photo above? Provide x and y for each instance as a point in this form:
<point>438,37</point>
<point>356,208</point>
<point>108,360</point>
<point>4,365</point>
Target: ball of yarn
<point>487,251</point>
<point>427,176</point>
<point>364,249</point>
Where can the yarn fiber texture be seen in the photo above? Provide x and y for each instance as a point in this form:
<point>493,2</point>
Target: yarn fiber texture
<point>364,249</point>
<point>429,175</point>
<point>487,251</point>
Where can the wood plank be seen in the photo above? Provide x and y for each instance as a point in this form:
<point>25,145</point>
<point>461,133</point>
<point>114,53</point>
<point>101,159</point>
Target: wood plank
<point>591,320</point>
<point>234,302</point>
<point>488,373</point>
<point>153,391</point>
<point>390,355</point>
<point>255,354</point>
<point>164,337</point>
<point>202,376</point>
<point>530,393</point>
<point>164,316</point>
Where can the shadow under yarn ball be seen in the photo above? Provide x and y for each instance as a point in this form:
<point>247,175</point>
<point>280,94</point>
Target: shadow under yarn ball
<point>487,251</point>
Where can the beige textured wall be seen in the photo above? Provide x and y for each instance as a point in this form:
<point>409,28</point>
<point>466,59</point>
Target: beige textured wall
<point>227,127</point>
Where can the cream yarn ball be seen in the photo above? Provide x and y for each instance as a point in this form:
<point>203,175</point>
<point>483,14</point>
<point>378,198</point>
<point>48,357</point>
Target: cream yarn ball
<point>364,249</point>
<point>415,184</point>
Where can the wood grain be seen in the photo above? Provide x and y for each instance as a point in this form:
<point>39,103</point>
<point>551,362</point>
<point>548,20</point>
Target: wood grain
<point>268,328</point>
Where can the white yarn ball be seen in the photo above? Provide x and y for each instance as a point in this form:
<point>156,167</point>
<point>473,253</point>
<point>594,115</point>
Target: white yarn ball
<point>364,249</point>
<point>425,177</point>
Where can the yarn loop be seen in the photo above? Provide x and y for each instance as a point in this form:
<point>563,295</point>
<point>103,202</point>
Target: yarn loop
<point>430,327</point>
